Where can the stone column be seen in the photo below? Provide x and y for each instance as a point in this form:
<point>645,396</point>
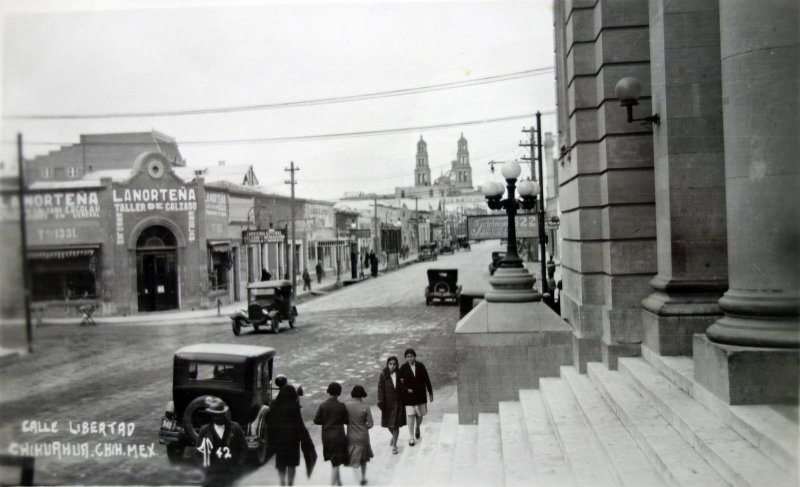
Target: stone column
<point>751,354</point>
<point>689,175</point>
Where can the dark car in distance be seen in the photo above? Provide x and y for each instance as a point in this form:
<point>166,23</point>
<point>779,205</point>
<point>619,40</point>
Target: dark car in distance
<point>442,285</point>
<point>239,375</point>
<point>268,303</point>
<point>496,258</point>
<point>428,252</point>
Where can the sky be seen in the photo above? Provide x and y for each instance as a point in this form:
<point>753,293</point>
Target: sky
<point>64,60</point>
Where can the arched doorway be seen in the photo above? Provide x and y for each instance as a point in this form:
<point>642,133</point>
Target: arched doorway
<point>156,269</point>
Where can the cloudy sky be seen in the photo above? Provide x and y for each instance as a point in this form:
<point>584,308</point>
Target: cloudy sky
<point>66,62</point>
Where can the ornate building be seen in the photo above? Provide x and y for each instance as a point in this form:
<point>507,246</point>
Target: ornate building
<point>453,181</point>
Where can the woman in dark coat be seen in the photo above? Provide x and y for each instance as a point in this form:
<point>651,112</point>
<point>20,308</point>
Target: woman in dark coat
<point>393,415</point>
<point>284,432</point>
<point>332,416</point>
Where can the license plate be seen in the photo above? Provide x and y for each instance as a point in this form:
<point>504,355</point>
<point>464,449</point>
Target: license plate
<point>168,424</point>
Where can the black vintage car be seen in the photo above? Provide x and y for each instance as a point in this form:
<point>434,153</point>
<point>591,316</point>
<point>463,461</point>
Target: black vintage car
<point>442,285</point>
<point>496,258</point>
<point>463,243</point>
<point>448,248</point>
<point>239,375</point>
<point>268,303</point>
<point>428,252</point>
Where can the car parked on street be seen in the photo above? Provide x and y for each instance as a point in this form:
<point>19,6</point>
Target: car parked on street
<point>496,258</point>
<point>448,248</point>
<point>442,285</point>
<point>268,303</point>
<point>428,252</point>
<point>239,375</point>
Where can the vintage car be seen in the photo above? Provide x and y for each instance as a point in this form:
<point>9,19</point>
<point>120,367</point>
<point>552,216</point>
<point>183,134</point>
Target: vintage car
<point>239,375</point>
<point>268,303</point>
<point>428,252</point>
<point>442,285</point>
<point>463,243</point>
<point>448,248</point>
<point>496,258</point>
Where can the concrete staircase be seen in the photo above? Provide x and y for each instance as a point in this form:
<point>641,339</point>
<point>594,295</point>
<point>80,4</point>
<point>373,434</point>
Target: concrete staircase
<point>647,424</point>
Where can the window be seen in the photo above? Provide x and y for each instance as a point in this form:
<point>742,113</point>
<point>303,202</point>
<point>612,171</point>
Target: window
<point>212,372</point>
<point>220,262</point>
<point>72,172</point>
<point>46,172</point>
<point>56,278</point>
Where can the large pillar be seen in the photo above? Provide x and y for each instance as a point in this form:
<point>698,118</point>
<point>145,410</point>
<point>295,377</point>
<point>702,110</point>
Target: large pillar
<point>751,354</point>
<point>605,177</point>
<point>689,169</point>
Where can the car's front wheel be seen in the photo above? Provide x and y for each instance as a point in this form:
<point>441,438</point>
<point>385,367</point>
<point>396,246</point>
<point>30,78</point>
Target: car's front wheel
<point>175,452</point>
<point>276,325</point>
<point>237,327</point>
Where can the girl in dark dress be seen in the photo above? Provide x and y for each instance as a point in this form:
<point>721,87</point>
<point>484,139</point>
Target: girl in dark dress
<point>393,415</point>
<point>332,415</point>
<point>284,425</point>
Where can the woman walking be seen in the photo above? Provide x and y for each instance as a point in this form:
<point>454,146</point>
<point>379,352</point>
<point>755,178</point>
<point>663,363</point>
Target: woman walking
<point>393,415</point>
<point>284,432</point>
<point>332,416</point>
<point>359,421</point>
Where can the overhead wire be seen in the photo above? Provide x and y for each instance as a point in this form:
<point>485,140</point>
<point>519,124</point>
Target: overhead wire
<point>300,103</point>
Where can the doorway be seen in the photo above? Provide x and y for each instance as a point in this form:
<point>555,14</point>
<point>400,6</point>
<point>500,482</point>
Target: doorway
<point>156,270</point>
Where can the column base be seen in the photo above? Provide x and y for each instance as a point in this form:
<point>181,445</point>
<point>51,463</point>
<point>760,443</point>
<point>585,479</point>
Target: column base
<point>498,355</point>
<point>747,375</point>
<point>670,321</point>
<point>512,285</point>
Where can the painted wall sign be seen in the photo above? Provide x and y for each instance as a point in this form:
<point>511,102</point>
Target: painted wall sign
<point>216,204</point>
<point>78,205</point>
<point>300,224</point>
<point>152,199</point>
<point>496,226</point>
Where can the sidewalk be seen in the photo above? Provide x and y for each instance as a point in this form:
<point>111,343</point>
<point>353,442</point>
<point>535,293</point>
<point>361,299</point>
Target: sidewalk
<point>210,315</point>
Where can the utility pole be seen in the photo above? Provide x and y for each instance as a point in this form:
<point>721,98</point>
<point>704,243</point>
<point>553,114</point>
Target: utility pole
<point>537,157</point>
<point>291,181</point>
<point>26,275</point>
<point>416,220</point>
<point>376,239</point>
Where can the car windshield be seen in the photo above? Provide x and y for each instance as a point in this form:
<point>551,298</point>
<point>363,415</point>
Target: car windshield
<point>199,371</point>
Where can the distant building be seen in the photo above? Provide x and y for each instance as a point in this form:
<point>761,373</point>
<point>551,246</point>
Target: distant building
<point>453,181</point>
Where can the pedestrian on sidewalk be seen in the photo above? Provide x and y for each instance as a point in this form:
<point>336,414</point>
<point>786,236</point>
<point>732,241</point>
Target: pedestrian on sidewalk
<point>373,261</point>
<point>285,431</point>
<point>306,279</point>
<point>415,381</point>
<point>393,414</point>
<point>332,416</point>
<point>359,421</point>
<point>320,272</point>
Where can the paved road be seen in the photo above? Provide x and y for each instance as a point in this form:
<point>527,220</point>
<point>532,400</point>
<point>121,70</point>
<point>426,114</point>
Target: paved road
<point>122,373</point>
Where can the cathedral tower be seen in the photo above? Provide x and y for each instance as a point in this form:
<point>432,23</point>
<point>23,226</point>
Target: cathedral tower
<point>422,172</point>
<point>461,168</point>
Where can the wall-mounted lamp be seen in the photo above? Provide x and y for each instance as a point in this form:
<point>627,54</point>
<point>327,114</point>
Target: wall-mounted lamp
<point>627,90</point>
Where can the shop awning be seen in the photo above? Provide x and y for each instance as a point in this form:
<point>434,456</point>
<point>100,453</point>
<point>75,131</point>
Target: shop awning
<point>219,245</point>
<point>63,252</point>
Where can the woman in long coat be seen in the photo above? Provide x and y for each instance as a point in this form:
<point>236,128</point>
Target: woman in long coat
<point>284,432</point>
<point>332,415</point>
<point>393,415</point>
<point>359,421</point>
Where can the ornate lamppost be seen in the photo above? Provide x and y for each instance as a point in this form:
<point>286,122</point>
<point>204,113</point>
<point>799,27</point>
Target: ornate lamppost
<point>511,283</point>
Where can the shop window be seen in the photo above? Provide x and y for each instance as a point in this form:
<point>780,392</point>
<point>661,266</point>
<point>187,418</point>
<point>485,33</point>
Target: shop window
<point>312,253</point>
<point>218,269</point>
<point>63,279</point>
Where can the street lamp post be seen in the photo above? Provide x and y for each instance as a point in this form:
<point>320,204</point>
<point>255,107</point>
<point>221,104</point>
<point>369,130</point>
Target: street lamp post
<point>511,282</point>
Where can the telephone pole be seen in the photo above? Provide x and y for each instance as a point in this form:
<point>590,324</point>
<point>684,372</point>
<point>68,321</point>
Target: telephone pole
<point>26,273</point>
<point>291,181</point>
<point>536,144</point>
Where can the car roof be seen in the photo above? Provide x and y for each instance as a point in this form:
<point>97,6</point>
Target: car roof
<point>448,271</point>
<point>268,284</point>
<point>210,351</point>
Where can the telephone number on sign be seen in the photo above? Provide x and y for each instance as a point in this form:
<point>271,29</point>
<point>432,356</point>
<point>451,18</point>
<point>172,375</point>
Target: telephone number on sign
<point>67,233</point>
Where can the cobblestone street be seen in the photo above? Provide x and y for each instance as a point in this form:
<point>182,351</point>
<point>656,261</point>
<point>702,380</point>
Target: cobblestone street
<point>123,373</point>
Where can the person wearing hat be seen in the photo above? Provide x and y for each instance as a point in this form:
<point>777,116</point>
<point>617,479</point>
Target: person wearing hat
<point>221,445</point>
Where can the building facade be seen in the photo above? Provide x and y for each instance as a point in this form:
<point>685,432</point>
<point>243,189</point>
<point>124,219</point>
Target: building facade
<point>681,236</point>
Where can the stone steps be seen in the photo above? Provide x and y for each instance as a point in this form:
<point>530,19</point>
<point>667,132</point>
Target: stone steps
<point>647,424</point>
<point>735,458</point>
